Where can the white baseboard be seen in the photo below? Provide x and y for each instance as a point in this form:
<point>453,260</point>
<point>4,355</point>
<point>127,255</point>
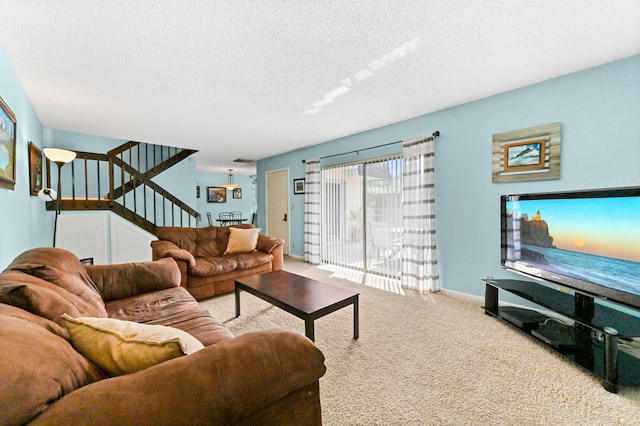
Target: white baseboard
<point>463,296</point>
<point>295,256</point>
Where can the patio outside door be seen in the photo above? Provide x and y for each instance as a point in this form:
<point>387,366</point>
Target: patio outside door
<point>362,216</point>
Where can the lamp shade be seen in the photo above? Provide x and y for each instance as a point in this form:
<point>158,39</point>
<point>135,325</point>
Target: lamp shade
<point>59,155</point>
<point>47,194</point>
<point>230,184</point>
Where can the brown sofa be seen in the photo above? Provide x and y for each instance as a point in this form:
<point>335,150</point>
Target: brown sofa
<point>206,271</point>
<point>269,377</point>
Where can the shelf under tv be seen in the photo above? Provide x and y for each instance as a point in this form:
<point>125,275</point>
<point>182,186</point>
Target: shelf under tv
<point>591,341</point>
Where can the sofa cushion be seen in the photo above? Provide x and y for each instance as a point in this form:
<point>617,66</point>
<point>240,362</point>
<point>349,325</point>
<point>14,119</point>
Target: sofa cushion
<point>173,307</point>
<point>206,242</point>
<point>249,260</point>
<point>124,347</point>
<point>43,298</point>
<point>38,367</point>
<point>127,279</point>
<point>14,311</point>
<point>207,266</point>
<point>185,238</point>
<point>62,268</point>
<point>242,240</point>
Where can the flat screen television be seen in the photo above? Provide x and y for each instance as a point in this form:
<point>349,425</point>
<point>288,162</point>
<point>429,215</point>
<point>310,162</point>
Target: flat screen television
<point>588,241</point>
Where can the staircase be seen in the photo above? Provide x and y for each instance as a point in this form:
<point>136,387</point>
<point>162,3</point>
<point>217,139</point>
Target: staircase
<point>121,181</point>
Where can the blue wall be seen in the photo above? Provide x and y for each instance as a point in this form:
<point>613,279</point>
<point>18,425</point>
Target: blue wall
<point>599,109</point>
<point>24,223</point>
<point>244,204</point>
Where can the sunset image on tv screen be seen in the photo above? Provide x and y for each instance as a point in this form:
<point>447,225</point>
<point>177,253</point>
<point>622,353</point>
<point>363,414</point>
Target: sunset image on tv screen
<point>591,239</point>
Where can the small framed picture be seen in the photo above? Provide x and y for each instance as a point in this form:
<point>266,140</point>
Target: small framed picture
<point>524,155</point>
<point>35,169</point>
<point>298,186</point>
<point>237,193</point>
<point>216,194</point>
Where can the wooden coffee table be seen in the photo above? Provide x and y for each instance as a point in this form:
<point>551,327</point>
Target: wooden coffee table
<point>303,297</point>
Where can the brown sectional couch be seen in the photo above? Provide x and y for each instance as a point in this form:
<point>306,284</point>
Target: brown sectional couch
<point>206,271</point>
<point>269,377</point>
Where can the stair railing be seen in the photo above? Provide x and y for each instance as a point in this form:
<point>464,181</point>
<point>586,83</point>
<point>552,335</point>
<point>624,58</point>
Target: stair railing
<point>129,192</point>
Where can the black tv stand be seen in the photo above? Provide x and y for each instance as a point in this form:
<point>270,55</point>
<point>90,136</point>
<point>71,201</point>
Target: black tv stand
<point>590,338</point>
<point>561,337</point>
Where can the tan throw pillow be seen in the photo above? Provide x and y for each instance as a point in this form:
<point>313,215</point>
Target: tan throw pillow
<point>242,240</point>
<point>123,347</point>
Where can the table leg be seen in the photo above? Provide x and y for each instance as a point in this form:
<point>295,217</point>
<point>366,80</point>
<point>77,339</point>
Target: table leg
<point>611,359</point>
<point>309,329</point>
<point>237,302</point>
<point>356,322</point>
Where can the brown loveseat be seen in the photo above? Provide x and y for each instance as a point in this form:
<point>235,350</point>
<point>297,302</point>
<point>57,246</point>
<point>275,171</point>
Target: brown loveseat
<point>266,377</point>
<point>205,268</point>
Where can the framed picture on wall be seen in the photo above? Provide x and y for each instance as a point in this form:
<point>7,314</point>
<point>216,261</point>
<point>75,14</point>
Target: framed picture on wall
<point>527,154</point>
<point>35,169</point>
<point>298,186</point>
<point>7,147</point>
<point>216,194</point>
<point>237,193</point>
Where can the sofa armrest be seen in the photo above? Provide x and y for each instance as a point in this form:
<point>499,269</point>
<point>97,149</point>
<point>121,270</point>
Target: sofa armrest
<point>267,244</point>
<point>221,384</point>
<point>124,280</point>
<point>275,246</point>
<point>162,248</point>
<point>277,263</point>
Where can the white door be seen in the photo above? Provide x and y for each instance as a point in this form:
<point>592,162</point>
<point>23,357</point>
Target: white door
<point>277,202</point>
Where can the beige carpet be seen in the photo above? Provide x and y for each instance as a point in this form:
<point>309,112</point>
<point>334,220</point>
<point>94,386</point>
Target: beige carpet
<point>434,360</point>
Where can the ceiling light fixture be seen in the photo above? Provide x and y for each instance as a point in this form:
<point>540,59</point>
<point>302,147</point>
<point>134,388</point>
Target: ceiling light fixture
<point>230,184</point>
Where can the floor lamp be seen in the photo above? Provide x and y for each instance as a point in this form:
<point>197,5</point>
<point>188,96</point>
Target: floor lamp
<point>60,157</point>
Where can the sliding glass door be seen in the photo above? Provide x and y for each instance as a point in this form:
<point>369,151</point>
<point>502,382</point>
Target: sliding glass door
<point>383,222</point>
<point>362,216</point>
<point>342,232</point>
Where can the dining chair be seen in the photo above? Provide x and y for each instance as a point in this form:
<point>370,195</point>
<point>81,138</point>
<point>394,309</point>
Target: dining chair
<point>225,218</point>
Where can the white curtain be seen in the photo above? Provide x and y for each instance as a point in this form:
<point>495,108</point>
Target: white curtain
<point>419,263</point>
<point>312,212</point>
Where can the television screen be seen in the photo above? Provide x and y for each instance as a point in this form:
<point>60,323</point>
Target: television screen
<point>586,240</point>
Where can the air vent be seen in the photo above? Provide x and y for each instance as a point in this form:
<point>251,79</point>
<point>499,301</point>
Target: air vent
<point>243,160</point>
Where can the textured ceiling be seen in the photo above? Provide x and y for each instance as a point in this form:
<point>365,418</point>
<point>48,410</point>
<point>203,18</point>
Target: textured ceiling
<point>252,79</point>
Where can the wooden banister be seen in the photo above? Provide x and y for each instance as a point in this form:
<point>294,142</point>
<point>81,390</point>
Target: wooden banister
<point>129,188</point>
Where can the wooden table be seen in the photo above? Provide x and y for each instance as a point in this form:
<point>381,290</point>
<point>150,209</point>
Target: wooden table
<point>225,222</point>
<point>303,297</point>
